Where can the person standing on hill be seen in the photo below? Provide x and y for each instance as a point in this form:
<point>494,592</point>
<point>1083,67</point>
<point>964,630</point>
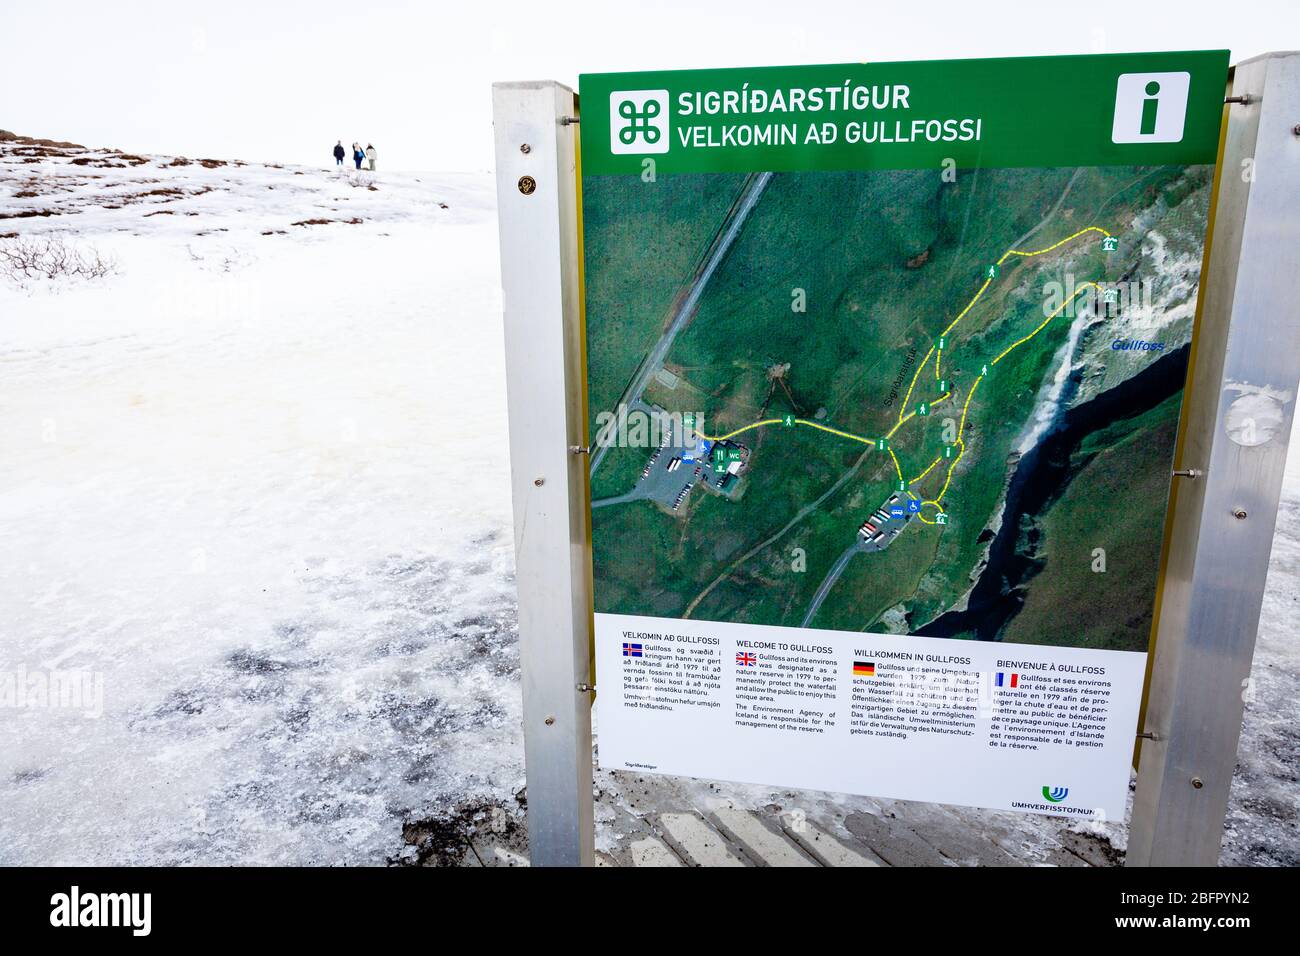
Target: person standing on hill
<point>370,156</point>
<point>357,155</point>
<point>338,153</point>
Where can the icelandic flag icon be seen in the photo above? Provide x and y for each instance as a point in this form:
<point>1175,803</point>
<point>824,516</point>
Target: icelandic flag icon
<point>631,650</point>
<point>1007,680</point>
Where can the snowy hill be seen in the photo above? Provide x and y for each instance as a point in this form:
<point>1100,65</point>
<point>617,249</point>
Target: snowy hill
<point>255,480</point>
<point>254,488</point>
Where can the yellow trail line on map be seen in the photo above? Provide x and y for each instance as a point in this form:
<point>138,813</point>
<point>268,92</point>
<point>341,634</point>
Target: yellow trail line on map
<point>1042,325</point>
<point>797,421</point>
<point>921,368</point>
<point>738,431</point>
<point>905,416</point>
<point>897,467</point>
<point>901,422</point>
<point>927,471</point>
<point>937,501</point>
<point>1022,253</point>
<point>836,431</point>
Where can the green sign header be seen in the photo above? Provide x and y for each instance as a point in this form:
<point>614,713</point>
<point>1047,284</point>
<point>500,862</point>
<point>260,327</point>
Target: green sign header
<point>1131,109</point>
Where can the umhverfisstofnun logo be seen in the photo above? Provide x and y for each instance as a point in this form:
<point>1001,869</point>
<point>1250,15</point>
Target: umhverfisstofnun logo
<point>1054,802</point>
<point>1150,107</point>
<point>638,122</point>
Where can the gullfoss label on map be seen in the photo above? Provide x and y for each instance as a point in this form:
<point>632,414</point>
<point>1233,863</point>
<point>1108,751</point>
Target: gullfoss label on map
<point>885,367</point>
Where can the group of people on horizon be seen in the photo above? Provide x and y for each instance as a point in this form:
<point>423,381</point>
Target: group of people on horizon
<point>358,154</point>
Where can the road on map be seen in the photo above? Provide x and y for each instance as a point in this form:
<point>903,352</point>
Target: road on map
<point>832,576</point>
<point>681,318</point>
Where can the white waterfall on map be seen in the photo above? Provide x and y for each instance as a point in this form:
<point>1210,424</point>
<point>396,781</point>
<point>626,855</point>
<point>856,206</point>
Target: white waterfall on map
<point>1049,398</point>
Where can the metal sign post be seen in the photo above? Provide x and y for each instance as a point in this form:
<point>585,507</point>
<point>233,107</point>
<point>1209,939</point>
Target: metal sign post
<point>1236,426</point>
<point>538,216</point>
<point>1232,448</point>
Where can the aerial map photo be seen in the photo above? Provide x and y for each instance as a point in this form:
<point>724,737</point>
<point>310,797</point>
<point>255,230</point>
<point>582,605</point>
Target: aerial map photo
<point>933,402</point>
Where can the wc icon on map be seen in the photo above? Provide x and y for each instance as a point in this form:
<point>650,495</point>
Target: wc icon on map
<point>1150,107</point>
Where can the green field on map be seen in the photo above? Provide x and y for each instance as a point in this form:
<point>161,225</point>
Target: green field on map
<point>999,354</point>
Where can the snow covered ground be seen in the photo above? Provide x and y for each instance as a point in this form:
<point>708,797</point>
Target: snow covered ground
<point>257,481</point>
<point>254,488</point>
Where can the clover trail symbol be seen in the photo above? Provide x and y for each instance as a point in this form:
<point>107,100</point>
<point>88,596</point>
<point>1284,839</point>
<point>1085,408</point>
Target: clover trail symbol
<point>639,122</point>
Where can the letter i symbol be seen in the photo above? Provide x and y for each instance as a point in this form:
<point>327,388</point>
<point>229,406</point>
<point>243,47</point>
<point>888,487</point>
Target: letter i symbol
<point>1150,106</point>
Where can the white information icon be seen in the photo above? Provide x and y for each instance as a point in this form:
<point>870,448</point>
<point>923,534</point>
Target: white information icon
<point>1150,107</point>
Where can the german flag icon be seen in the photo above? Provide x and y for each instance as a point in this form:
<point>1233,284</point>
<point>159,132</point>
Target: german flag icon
<point>864,668</point>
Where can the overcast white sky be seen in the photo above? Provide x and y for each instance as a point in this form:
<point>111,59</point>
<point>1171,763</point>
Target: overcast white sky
<point>284,80</point>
